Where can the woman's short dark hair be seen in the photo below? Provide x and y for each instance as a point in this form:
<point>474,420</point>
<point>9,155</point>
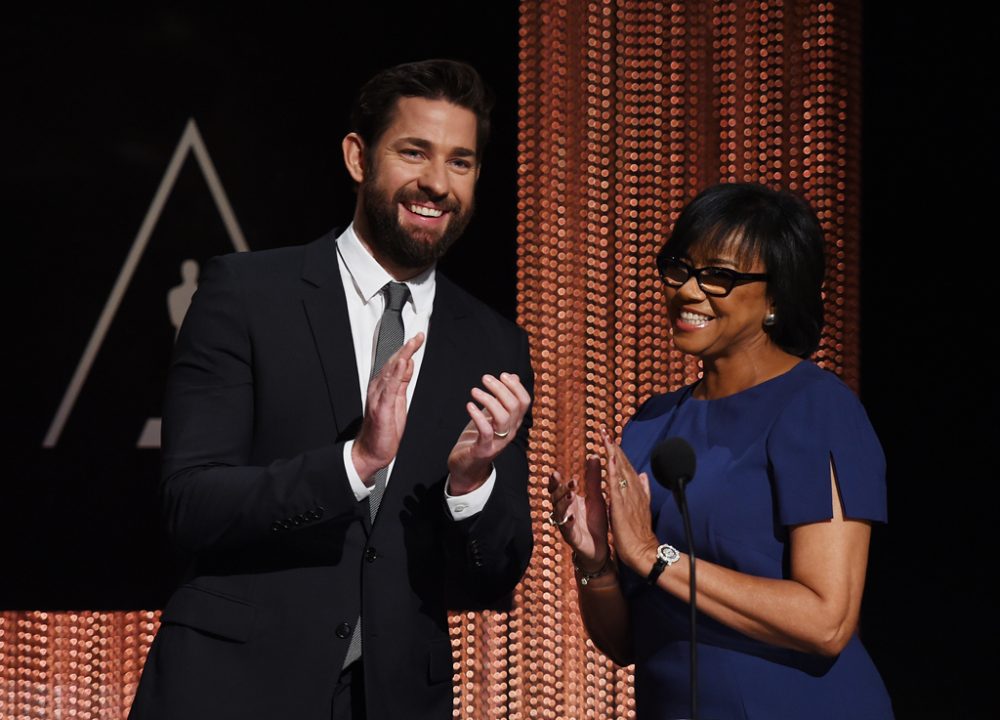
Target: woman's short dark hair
<point>776,227</point>
<point>450,80</point>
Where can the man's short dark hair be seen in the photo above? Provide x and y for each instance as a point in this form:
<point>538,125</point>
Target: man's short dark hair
<point>776,227</point>
<point>451,80</point>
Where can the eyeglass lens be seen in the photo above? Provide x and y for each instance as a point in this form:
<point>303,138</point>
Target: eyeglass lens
<point>710,280</point>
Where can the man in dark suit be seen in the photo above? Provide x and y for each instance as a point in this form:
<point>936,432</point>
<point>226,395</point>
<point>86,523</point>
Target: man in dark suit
<point>334,504</point>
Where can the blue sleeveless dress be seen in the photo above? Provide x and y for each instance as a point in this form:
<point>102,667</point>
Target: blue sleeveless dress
<point>763,464</point>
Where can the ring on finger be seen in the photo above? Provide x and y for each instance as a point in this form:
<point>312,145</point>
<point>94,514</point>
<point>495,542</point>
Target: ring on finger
<point>501,435</point>
<point>557,523</point>
<point>623,483</point>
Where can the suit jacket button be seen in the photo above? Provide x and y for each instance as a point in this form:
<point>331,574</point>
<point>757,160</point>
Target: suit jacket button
<point>371,555</point>
<point>343,631</point>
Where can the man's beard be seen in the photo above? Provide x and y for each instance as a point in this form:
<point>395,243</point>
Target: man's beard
<point>400,246</point>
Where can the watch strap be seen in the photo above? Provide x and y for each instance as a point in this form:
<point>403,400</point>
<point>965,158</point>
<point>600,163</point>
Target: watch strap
<point>666,555</point>
<point>658,567</point>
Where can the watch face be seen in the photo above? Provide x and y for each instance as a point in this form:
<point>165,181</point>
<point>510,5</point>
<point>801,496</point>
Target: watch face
<point>668,554</point>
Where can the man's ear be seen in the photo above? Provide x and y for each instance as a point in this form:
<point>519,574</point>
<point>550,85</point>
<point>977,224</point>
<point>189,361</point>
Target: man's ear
<point>354,156</point>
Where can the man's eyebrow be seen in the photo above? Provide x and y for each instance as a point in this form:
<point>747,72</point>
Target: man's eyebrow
<point>419,142</point>
<point>424,144</point>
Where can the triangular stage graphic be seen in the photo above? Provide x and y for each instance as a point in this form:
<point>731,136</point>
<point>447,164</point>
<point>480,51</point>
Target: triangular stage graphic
<point>191,141</point>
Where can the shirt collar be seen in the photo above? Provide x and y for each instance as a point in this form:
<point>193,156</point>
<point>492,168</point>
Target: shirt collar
<point>370,277</point>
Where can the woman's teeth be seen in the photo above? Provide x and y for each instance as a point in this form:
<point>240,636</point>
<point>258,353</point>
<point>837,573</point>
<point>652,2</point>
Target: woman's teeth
<point>697,319</point>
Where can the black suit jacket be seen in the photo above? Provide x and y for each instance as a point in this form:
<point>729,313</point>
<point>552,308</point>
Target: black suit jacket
<point>281,558</point>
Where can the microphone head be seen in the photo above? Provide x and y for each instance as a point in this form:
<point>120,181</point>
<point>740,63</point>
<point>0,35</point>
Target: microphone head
<point>673,463</point>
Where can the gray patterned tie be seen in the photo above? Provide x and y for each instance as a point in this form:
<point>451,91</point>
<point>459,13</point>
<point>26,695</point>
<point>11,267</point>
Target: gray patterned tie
<point>390,339</point>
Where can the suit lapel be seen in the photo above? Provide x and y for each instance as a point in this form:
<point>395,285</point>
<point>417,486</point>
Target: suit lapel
<point>438,385</point>
<point>439,393</point>
<point>326,308</point>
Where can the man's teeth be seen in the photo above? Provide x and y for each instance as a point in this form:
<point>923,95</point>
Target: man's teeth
<point>695,318</point>
<point>426,211</point>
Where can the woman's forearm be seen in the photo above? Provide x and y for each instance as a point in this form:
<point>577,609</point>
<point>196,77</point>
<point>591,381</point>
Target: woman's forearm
<point>605,615</point>
<point>815,610</point>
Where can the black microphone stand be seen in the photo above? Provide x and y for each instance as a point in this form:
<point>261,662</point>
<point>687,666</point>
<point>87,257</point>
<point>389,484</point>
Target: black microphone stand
<point>681,496</point>
<point>673,464</point>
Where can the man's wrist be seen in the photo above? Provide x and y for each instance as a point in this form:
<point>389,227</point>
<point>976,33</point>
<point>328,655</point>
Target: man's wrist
<point>364,464</point>
<point>464,483</point>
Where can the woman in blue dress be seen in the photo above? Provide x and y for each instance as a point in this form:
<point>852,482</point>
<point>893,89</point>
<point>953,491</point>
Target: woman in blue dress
<point>790,476</point>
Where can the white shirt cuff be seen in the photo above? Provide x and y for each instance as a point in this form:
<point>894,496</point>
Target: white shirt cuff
<point>472,503</point>
<point>361,491</point>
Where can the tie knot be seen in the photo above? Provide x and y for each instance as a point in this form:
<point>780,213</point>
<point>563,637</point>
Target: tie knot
<point>396,295</point>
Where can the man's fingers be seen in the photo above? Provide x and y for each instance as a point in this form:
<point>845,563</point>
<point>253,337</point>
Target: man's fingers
<point>509,391</point>
<point>402,359</point>
<point>412,345</point>
<point>504,402</point>
<point>501,392</point>
<point>513,383</point>
<point>499,414</point>
<point>385,407</point>
<point>391,382</point>
<point>406,370</point>
<point>509,418</point>
<point>522,397</point>
<point>482,423</point>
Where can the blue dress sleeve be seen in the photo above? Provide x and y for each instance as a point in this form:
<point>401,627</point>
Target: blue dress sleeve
<point>822,422</point>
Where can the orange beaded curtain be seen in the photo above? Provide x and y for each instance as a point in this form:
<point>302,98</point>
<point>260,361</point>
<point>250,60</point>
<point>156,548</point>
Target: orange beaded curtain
<point>627,109</point>
<point>83,666</point>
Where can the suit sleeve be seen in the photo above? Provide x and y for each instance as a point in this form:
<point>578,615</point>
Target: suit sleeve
<point>213,498</point>
<point>488,553</point>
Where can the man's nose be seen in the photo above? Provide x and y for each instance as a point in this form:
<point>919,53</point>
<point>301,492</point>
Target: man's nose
<point>434,179</point>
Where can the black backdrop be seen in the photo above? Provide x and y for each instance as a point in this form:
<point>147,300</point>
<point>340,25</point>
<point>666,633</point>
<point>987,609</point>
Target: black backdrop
<point>100,102</point>
<point>928,351</point>
<point>95,105</point>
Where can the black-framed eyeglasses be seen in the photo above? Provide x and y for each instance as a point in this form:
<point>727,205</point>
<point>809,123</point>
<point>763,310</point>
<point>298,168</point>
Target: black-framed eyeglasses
<point>714,281</point>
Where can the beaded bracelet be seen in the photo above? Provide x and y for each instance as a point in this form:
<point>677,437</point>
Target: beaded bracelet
<point>585,577</point>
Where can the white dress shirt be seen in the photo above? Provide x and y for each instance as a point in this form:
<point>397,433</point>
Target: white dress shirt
<point>363,280</point>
